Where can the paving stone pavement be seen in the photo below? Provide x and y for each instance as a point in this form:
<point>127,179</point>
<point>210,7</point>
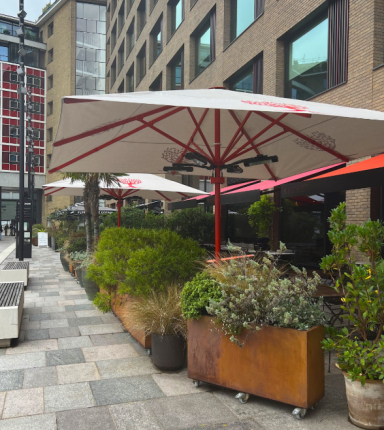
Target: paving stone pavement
<point>75,368</point>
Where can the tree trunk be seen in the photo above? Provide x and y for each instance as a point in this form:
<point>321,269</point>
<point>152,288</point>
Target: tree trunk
<point>94,201</point>
<point>88,219</point>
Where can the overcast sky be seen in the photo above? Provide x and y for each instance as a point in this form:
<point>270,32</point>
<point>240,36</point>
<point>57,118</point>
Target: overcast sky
<point>32,7</point>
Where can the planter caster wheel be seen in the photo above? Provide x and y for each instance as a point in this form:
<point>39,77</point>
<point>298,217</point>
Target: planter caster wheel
<point>148,351</point>
<point>299,413</point>
<point>243,397</point>
<point>197,383</point>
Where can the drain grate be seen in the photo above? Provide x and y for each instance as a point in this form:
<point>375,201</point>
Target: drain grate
<point>17,265</point>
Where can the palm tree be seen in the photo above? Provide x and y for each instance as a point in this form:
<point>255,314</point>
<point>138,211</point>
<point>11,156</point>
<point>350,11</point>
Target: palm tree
<point>91,199</point>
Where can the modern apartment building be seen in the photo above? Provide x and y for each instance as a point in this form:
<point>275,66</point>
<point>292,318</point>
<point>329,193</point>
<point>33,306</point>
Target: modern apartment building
<point>329,51</point>
<point>74,35</point>
<point>9,113</point>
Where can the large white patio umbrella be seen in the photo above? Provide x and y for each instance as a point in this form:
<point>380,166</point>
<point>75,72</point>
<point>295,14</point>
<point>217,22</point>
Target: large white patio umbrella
<point>216,129</point>
<point>144,185</point>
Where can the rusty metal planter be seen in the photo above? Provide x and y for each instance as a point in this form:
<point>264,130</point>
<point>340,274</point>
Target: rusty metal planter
<point>276,363</point>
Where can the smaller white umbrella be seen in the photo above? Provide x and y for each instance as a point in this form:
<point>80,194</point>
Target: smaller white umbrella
<point>144,185</point>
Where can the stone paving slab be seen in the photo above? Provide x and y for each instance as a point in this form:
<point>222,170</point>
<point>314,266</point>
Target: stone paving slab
<point>36,334</point>
<point>110,369</point>
<point>101,329</point>
<point>110,338</point>
<point>74,342</point>
<point>40,317</point>
<point>62,315</point>
<point>33,346</point>
<point>11,380</point>
<point>24,402</point>
<point>134,416</point>
<point>36,422</point>
<point>55,333</point>
<point>65,356</point>
<point>124,390</point>
<point>74,373</point>
<point>40,377</point>
<point>68,397</point>
<point>98,353</point>
<point>91,419</point>
<point>22,361</point>
<point>54,323</point>
<point>76,322</point>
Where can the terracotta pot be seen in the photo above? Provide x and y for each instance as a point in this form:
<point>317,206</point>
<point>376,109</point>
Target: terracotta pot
<point>64,262</point>
<point>72,268</point>
<point>168,352</point>
<point>277,363</point>
<point>365,403</point>
<point>34,241</point>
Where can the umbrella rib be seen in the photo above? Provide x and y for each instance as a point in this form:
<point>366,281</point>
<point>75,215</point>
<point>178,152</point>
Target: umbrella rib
<point>110,192</point>
<point>162,195</point>
<point>243,131</point>
<point>109,126</point>
<point>287,128</point>
<point>261,143</point>
<point>198,126</point>
<point>235,137</point>
<point>173,139</point>
<point>260,133</point>
<point>114,140</point>
<point>53,192</point>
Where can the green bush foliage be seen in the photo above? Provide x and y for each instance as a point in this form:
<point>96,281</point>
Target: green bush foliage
<point>196,295</point>
<point>76,243</point>
<point>133,217</point>
<point>140,261</point>
<point>260,216</point>
<point>103,302</point>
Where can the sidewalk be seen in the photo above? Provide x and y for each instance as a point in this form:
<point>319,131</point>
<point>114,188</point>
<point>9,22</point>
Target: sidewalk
<point>77,369</point>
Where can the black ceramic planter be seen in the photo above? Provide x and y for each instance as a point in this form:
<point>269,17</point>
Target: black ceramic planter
<point>168,352</point>
<point>64,262</point>
<point>90,287</point>
<point>79,274</point>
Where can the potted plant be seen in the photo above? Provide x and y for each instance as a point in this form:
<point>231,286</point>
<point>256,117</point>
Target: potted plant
<point>160,315</point>
<point>359,345</point>
<point>36,228</point>
<point>261,321</point>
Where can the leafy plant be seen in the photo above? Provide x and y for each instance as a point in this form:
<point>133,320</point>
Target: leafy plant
<point>103,302</point>
<point>159,313</point>
<point>196,295</point>
<point>36,228</point>
<point>258,293</point>
<point>360,351</point>
<point>260,216</point>
<point>193,223</point>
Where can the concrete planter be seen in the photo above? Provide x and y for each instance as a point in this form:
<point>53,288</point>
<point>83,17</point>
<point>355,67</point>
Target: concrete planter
<point>365,403</point>
<point>276,363</point>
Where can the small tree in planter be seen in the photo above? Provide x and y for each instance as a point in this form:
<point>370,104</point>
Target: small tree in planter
<point>360,350</point>
<point>260,217</point>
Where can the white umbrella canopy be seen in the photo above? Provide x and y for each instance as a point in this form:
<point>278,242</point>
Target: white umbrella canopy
<point>147,131</point>
<point>144,185</point>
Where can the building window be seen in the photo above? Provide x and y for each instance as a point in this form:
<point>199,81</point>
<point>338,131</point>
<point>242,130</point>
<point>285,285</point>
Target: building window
<point>157,84</point>
<point>205,43</point>
<point>114,5</point>
<point>113,73</point>
<point>121,18</point>
<point>90,48</point>
<point>129,5</point>
<point>317,58</point>
<point>50,134</point>
<point>113,36</point>
<point>157,39</point>
<point>50,82</point>
<point>41,36</point>
<point>50,29</point>
<point>130,85</point>
<point>50,56</point>
<point>121,57</point>
<point>141,16</point>
<point>48,199</point>
<point>176,67</point>
<point>152,5</point>
<point>141,64</point>
<point>50,108</point>
<point>131,37</point>
<point>250,78</point>
<point>243,13</point>
<point>49,156</point>
<point>121,87</point>
<point>177,14</point>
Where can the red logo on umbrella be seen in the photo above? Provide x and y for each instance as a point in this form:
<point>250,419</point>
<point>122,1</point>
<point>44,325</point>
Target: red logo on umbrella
<point>295,108</point>
<point>130,182</point>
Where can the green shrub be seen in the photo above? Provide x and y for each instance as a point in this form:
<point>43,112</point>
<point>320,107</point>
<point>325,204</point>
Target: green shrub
<point>36,228</point>
<point>139,261</point>
<point>103,302</point>
<point>196,295</point>
<point>77,244</point>
<point>193,223</point>
<point>133,217</point>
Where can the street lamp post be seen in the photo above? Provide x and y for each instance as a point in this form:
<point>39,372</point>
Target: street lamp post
<point>22,91</point>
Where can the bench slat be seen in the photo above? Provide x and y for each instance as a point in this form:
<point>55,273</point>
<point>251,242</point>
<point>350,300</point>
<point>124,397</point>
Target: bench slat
<point>16,265</point>
<point>10,293</point>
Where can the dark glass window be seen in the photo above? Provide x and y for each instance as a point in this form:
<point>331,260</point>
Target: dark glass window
<point>141,16</point>
<point>130,86</point>
<point>50,82</point>
<point>120,56</point>
<point>306,73</point>
<point>243,13</point>
<point>141,64</point>
<point>50,108</point>
<point>157,39</point>
<point>203,49</point>
<point>50,29</point>
<point>6,28</point>
<point>4,53</point>
<point>121,88</point>
<point>131,37</point>
<point>157,84</point>
<point>250,79</point>
<point>177,14</point>
<point>177,71</point>
<point>121,18</point>
<point>50,55</point>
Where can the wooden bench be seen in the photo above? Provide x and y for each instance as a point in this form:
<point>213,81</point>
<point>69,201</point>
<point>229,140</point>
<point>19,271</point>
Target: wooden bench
<point>11,309</point>
<point>15,272</point>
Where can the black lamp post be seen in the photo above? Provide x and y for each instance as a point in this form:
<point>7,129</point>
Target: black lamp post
<point>22,91</point>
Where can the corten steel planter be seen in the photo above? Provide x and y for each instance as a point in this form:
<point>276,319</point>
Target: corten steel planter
<point>72,268</point>
<point>276,363</point>
<point>64,262</point>
<point>120,306</point>
<point>168,352</point>
<point>365,404</point>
